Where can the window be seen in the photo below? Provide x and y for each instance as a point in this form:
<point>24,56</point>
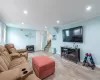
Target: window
<point>4,34</point>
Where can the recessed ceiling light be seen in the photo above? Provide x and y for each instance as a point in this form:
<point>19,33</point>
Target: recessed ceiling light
<point>22,23</point>
<point>58,21</point>
<point>88,8</point>
<point>25,12</point>
<point>45,27</point>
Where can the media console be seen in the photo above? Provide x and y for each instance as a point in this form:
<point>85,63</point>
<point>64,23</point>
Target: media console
<point>72,54</point>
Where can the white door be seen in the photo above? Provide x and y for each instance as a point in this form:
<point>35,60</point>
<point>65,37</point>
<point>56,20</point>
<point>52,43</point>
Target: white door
<point>38,41</point>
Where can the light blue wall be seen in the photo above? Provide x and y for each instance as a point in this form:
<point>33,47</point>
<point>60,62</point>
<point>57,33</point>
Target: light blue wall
<point>16,36</point>
<point>91,34</point>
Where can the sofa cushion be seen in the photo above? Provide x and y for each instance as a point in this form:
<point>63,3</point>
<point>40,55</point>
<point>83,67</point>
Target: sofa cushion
<point>5,55</point>
<point>12,50</point>
<point>32,77</point>
<point>4,51</point>
<point>10,45</point>
<point>21,66</point>
<point>5,60</point>
<point>25,54</point>
<point>13,74</point>
<point>3,66</point>
<point>17,61</point>
<point>23,59</point>
<point>15,55</point>
<point>21,50</point>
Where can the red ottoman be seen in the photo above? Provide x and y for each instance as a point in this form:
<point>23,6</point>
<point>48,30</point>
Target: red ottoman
<point>43,66</point>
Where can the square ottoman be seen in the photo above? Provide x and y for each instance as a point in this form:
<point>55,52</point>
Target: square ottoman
<point>43,66</point>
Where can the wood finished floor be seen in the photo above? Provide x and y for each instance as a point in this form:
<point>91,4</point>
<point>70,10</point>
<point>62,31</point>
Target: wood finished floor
<point>67,70</point>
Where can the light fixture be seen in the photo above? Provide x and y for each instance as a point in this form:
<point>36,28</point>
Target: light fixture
<point>22,23</point>
<point>88,8</point>
<point>25,12</point>
<point>58,21</point>
<point>45,27</point>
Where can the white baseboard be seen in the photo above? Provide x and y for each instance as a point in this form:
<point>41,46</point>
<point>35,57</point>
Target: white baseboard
<point>38,50</point>
<point>98,66</point>
<point>81,60</point>
<point>58,53</point>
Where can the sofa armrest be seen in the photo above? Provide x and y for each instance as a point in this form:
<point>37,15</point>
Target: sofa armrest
<point>21,50</point>
<point>13,74</point>
<point>29,72</point>
<point>15,55</point>
<point>32,77</point>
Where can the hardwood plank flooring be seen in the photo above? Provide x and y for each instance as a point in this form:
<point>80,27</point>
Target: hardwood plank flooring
<point>67,70</point>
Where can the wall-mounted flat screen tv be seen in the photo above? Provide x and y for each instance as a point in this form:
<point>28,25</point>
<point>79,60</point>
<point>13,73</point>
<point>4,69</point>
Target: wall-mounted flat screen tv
<point>73,34</point>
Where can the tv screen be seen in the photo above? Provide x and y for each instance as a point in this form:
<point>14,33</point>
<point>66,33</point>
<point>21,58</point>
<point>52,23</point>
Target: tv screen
<point>73,34</point>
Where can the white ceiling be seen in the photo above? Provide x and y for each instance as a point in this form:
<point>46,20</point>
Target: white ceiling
<point>43,13</point>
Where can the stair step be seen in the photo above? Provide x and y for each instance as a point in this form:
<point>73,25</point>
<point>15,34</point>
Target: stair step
<point>48,46</point>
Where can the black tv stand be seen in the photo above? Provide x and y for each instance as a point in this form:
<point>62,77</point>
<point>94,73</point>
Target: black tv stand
<point>72,54</point>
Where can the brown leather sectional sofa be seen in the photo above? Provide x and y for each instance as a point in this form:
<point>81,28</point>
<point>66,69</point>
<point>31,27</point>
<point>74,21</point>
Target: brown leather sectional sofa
<point>12,50</point>
<point>13,64</point>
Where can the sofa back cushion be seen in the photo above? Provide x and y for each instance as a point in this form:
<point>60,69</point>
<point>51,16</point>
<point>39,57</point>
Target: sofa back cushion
<point>5,55</point>
<point>10,47</point>
<point>3,66</point>
<point>12,50</point>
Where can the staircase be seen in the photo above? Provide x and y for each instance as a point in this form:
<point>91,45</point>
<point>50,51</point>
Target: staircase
<point>48,46</point>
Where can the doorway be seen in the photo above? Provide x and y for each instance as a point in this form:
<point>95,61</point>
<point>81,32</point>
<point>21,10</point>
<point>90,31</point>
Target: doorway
<point>48,46</point>
<point>38,41</point>
<point>48,37</point>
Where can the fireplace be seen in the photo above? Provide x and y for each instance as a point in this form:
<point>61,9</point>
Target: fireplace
<point>71,54</point>
<point>30,48</point>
